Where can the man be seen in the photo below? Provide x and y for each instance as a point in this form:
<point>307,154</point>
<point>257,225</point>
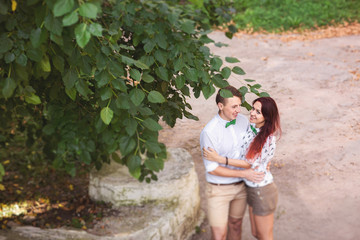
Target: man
<point>225,190</point>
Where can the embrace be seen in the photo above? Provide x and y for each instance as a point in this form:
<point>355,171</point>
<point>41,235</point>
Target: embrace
<point>237,154</point>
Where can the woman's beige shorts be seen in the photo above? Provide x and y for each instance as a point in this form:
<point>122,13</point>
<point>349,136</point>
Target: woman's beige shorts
<point>263,200</point>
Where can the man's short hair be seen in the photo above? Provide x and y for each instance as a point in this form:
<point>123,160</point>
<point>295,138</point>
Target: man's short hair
<point>233,90</point>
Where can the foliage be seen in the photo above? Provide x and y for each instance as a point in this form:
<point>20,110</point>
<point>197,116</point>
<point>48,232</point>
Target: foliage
<point>80,80</point>
<point>280,15</point>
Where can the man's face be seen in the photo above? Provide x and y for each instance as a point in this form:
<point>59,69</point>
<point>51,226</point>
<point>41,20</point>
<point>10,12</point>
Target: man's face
<point>230,109</point>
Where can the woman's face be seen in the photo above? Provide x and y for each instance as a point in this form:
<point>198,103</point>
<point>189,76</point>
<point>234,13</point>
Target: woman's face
<point>256,115</point>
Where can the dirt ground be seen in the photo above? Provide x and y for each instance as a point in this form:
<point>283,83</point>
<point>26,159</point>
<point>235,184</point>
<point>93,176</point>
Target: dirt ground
<point>316,165</point>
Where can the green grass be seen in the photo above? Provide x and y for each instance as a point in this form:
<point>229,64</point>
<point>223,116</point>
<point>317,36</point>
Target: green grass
<point>283,15</point>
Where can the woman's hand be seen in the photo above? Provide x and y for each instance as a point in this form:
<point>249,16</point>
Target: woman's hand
<point>211,155</point>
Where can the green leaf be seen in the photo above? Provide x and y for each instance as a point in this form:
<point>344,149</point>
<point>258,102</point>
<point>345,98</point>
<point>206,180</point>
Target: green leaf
<point>45,64</point>
<point>22,59</point>
<point>256,86</point>
<point>82,87</point>
<point>180,82</point>
<point>62,7</point>
<point>141,65</point>
<point>9,87</point>
<point>82,35</point>
<point>71,93</point>
<point>191,74</point>
<point>154,164</point>
<point>126,145</point>
<point>162,73</point>
<point>216,63</point>
<point>33,99</point>
<point>151,124</point>
<point>188,26</point>
<point>160,56</point>
<point>219,82</point>
<point>264,94</point>
<point>53,24</point>
<point>155,97</point>
<point>88,10</point>
<point>238,70</point>
<point>231,59</point>
<point>102,78</point>
<point>153,147</point>
<point>134,165</point>
<point>249,80</point>
<point>9,57</point>
<point>149,46</point>
<point>5,44</point>
<point>130,126</point>
<point>70,19</point>
<point>147,78</point>
<point>85,157</point>
<point>96,29</point>
<point>2,172</point>
<point>70,78</point>
<point>226,93</point>
<point>34,54</point>
<point>226,72</point>
<point>208,90</point>
<point>105,93</point>
<point>243,90</point>
<point>178,64</point>
<point>119,84</point>
<point>106,115</point>
<point>59,63</point>
<point>135,74</point>
<point>137,96</point>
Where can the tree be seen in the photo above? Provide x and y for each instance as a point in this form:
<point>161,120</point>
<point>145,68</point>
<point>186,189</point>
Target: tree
<point>83,79</point>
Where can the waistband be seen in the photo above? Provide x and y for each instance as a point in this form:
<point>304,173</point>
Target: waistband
<point>226,184</point>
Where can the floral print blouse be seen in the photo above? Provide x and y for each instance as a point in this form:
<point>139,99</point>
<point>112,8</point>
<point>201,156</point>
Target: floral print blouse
<point>261,161</point>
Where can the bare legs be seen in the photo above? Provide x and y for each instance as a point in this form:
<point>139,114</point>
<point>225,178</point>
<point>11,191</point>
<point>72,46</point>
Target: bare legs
<point>262,226</point>
<point>232,231</point>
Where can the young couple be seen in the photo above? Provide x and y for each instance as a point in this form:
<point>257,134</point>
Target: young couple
<point>236,156</point>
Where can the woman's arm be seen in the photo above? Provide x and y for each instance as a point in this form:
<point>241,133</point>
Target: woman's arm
<point>211,155</point>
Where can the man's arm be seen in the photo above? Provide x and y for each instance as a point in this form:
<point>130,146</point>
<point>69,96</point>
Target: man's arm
<point>249,174</point>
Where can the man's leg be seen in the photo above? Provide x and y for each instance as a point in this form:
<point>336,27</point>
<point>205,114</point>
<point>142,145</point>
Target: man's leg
<point>218,201</point>
<point>236,212</point>
<point>219,233</point>
<point>235,228</point>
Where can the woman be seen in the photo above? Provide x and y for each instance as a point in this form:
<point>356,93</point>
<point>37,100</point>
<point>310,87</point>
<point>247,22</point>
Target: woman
<point>259,146</point>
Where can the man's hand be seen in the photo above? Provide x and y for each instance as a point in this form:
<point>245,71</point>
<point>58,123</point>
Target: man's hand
<point>253,176</point>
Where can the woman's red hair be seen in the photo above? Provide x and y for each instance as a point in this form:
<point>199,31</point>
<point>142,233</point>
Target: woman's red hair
<point>271,126</point>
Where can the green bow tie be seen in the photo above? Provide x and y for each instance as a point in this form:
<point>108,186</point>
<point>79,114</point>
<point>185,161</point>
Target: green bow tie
<point>253,129</point>
<point>230,123</point>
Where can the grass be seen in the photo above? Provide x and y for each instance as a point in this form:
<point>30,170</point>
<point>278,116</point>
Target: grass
<point>283,15</point>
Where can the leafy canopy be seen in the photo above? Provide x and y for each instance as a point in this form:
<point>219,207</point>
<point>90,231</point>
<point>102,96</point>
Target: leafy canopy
<point>84,79</point>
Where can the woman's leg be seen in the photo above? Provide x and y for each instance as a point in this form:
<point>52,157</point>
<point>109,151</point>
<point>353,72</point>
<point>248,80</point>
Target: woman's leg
<point>264,226</point>
<point>252,222</point>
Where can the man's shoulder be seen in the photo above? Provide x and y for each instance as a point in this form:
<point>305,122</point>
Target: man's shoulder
<point>241,119</point>
<point>211,126</point>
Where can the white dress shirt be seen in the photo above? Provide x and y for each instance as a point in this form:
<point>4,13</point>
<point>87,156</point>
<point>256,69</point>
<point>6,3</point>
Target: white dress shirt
<point>226,142</point>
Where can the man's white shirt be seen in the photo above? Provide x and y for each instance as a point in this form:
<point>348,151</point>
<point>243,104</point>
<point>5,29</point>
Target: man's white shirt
<point>226,142</point>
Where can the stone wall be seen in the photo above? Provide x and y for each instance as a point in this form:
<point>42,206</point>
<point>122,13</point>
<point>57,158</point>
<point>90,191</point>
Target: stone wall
<point>167,209</point>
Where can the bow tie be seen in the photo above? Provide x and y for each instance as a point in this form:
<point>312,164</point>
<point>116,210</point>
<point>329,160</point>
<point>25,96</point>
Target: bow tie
<point>230,123</point>
<point>253,129</point>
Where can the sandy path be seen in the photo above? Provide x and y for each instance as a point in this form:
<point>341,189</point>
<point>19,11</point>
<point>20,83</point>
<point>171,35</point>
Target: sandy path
<point>316,167</point>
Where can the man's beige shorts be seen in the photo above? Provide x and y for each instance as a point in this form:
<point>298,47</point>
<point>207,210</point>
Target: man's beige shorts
<point>224,201</point>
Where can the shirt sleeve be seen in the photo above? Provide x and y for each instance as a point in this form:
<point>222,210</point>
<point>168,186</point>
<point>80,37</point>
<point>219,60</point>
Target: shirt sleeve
<point>205,142</point>
<point>269,149</point>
